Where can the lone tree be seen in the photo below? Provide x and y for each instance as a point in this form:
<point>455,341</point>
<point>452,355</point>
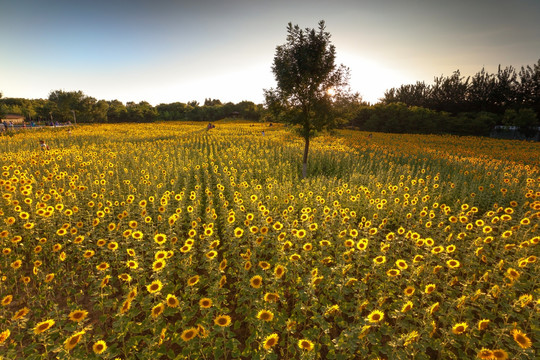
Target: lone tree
<point>308,83</point>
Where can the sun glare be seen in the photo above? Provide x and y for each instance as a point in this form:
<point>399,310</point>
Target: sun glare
<point>331,92</point>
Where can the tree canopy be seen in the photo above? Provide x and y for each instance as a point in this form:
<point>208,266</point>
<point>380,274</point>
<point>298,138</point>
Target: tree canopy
<point>308,82</point>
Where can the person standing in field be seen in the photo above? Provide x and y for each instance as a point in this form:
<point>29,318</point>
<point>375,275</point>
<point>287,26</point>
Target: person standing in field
<point>43,146</point>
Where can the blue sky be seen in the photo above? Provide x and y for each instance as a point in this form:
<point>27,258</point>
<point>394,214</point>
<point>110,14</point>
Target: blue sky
<point>163,51</point>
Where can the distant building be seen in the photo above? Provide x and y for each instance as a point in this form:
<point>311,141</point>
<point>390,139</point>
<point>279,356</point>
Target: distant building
<point>531,133</point>
<point>15,119</point>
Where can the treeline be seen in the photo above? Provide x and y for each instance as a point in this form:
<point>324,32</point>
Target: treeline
<point>401,118</point>
<point>495,93</point>
<point>460,105</point>
<point>63,106</point>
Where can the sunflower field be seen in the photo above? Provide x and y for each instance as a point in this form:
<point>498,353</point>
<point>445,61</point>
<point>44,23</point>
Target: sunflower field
<point>168,241</point>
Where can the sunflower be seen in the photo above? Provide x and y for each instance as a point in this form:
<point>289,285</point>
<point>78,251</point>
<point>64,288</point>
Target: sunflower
<point>172,301</point>
<point>88,254</point>
<point>202,332</point>
<point>102,266</point>
<point>126,305</point>
<point>409,290</point>
<point>49,278</point>
<point>78,315</point>
<point>483,324</point>
<point>362,244</point>
<point>193,280</point>
<point>158,265</point>
<point>349,243</point>
<point>513,274</point>
<point>271,297</point>
<point>295,257</point>
<point>379,260</point>
<point>154,287</point>
<point>429,288</point>
<point>222,320</point>
<point>43,326</point>
<point>401,264</point>
<point>270,341</point>
<point>265,315</point>
<point>460,328</point>
<point>99,347</point>
<point>20,313</point>
<point>125,277</point>
<point>437,249</point>
<point>222,281</point>
<point>305,345</point>
<point>223,265</point>
<point>500,354</point>
<point>407,306</point>
<point>189,334</point>
<point>393,272</point>
<point>205,303</point>
<point>7,300</point>
<point>485,354</point>
<point>16,264</point>
<point>73,340</point>
<point>160,239</point>
<point>211,254</point>
<point>256,281</point>
<point>375,316</point>
<point>307,247</point>
<point>157,310</point>
<point>279,271</point>
<point>521,338</point>
<point>4,336</point>
<point>238,232</point>
<point>433,308</point>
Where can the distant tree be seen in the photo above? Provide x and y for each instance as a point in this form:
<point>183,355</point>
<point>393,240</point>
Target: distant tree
<point>413,95</point>
<point>449,93</point>
<point>116,112</point>
<point>307,82</point>
<point>63,102</point>
<point>480,91</point>
<point>211,102</point>
<point>505,91</point>
<point>173,111</point>
<point>528,91</point>
<point>141,112</point>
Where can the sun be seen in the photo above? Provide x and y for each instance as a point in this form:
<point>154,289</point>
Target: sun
<point>331,92</point>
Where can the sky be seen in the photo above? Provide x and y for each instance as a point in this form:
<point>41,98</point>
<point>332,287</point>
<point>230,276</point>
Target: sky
<point>164,51</point>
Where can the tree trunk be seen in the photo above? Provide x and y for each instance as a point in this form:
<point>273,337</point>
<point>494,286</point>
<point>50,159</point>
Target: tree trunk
<point>304,162</point>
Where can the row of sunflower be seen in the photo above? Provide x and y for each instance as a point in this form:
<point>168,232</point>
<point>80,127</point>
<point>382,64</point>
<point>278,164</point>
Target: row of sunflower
<point>174,242</point>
